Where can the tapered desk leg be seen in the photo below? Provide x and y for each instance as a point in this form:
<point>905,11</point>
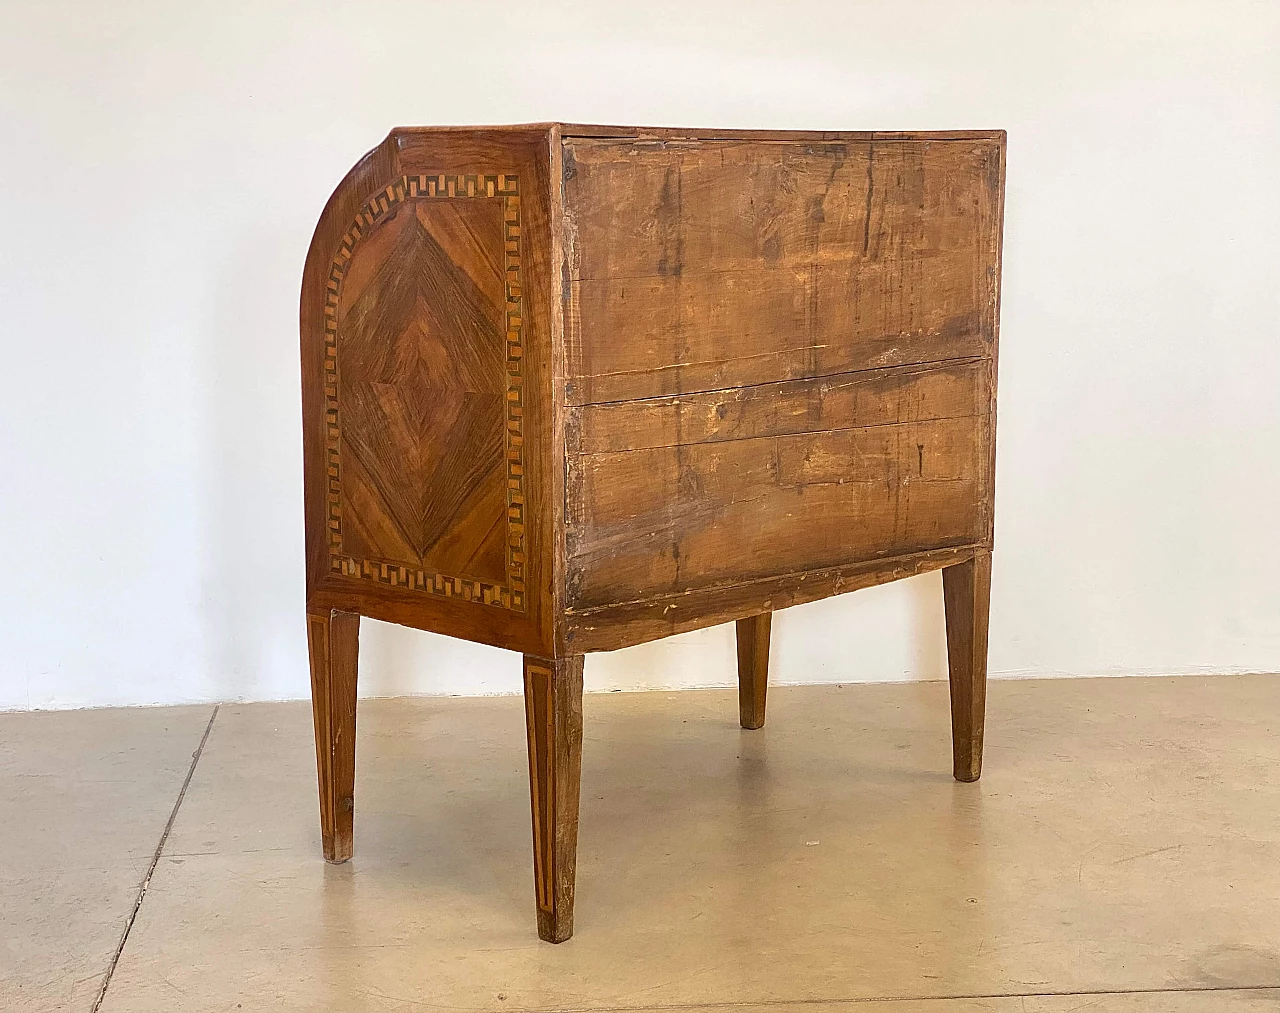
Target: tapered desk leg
<point>753,668</point>
<point>966,589</point>
<point>333,640</point>
<point>553,719</point>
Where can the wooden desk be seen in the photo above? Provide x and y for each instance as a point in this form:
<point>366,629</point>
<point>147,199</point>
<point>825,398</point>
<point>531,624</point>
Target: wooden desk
<point>572,388</point>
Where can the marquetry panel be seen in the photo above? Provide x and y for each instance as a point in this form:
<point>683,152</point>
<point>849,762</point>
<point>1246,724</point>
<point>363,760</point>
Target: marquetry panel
<point>424,390</point>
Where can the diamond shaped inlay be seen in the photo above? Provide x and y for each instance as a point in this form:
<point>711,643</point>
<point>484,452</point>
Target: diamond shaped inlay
<point>425,391</point>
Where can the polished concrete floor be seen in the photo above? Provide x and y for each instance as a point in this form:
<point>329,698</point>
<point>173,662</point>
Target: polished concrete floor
<point>1122,852</point>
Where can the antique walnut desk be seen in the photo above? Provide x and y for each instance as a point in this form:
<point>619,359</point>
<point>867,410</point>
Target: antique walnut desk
<point>571,388</point>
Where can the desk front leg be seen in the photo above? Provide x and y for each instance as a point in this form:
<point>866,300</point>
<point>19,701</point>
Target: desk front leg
<point>333,640</point>
<point>553,719</point>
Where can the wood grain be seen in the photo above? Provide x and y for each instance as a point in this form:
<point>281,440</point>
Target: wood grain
<point>966,590</point>
<point>672,519</point>
<point>779,359</point>
<point>427,388</point>
<point>710,264</point>
<point>333,641</point>
<point>610,627</point>
<point>753,668</point>
<point>915,393</point>
<point>553,718</point>
<point>421,391</point>
<point>642,133</point>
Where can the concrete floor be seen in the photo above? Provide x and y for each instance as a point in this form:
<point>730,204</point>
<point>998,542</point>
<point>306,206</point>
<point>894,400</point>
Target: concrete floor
<point>1122,852</point>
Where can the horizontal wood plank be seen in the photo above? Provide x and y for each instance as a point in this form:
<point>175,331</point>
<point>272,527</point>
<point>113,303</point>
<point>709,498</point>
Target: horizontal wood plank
<point>706,264</point>
<point>917,393</point>
<point>596,130</point>
<point>669,519</point>
<point>613,626</point>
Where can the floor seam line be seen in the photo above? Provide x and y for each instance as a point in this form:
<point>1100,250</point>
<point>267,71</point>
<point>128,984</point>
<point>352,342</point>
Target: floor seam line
<point>155,860</point>
<point>1155,990</point>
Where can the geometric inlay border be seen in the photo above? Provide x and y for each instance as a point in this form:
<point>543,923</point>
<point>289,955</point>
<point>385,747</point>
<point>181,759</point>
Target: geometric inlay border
<point>504,187</point>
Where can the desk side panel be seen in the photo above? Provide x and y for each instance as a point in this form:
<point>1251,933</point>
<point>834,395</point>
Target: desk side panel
<point>426,337</point>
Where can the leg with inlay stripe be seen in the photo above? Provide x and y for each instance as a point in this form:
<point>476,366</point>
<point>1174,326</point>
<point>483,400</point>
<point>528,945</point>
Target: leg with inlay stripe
<point>553,719</point>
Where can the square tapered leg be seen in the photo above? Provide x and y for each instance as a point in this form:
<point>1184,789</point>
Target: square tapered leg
<point>333,639</point>
<point>966,589</point>
<point>753,668</point>
<point>553,717</point>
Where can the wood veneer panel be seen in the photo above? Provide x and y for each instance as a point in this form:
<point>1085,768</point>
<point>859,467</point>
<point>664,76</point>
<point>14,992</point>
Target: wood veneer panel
<point>423,384</point>
<point>427,348</point>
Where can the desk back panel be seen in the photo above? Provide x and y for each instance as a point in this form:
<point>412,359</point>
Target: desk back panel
<point>779,360</point>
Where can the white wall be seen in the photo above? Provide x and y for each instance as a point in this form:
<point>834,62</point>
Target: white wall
<point>163,165</point>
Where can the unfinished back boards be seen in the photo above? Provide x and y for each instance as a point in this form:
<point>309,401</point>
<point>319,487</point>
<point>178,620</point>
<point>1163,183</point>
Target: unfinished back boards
<point>571,388</point>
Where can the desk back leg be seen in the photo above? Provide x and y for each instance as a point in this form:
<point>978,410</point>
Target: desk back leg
<point>333,640</point>
<point>966,589</point>
<point>753,668</point>
<point>553,720</point>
